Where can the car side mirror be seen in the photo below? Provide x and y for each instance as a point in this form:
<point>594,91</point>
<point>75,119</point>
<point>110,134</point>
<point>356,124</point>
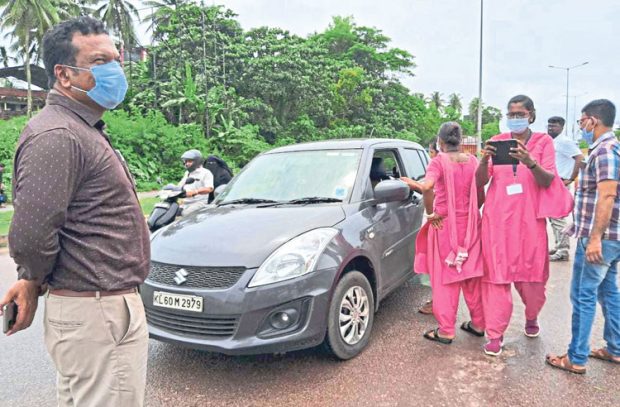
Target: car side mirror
<point>218,190</point>
<point>391,191</point>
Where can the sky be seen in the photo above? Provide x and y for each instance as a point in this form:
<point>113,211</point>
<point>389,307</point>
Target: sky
<point>521,38</point>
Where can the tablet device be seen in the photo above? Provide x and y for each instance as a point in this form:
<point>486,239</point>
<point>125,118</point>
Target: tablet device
<point>502,156</point>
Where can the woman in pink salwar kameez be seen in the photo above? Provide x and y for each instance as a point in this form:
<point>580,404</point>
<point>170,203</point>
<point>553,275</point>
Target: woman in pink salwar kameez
<point>448,246</point>
<point>514,233</point>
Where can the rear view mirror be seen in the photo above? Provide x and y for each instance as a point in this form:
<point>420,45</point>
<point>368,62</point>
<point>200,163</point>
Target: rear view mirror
<point>189,180</point>
<point>391,191</point>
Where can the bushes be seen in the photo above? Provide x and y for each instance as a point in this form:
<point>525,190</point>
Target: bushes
<point>151,146</point>
<point>9,133</point>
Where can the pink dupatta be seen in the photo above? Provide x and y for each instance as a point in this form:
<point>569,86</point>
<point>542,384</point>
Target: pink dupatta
<point>427,249</point>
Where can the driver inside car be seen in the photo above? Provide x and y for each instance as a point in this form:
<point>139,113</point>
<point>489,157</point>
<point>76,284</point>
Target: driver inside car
<point>377,171</point>
<point>196,193</point>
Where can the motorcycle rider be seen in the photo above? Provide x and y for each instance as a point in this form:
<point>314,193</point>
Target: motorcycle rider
<point>197,193</point>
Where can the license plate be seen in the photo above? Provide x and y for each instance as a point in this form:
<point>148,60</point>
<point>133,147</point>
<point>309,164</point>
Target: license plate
<point>177,301</point>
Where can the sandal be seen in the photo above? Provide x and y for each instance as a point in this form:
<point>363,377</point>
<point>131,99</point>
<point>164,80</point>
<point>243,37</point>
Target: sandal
<point>603,354</point>
<point>427,309</point>
<point>466,326</point>
<point>435,337</point>
<point>563,363</point>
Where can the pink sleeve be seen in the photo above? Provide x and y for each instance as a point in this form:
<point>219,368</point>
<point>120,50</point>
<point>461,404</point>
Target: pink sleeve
<point>433,172</point>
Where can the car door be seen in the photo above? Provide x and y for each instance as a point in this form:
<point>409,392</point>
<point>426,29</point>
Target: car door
<point>415,162</point>
<point>396,224</point>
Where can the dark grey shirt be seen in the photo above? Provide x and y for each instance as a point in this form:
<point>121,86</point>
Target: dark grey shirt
<point>77,222</point>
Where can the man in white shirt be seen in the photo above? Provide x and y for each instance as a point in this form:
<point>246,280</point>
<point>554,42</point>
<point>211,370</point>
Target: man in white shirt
<point>197,193</point>
<point>568,159</point>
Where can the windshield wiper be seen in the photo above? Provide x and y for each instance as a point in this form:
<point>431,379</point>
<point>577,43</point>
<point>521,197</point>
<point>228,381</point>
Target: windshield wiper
<point>312,199</point>
<point>248,201</point>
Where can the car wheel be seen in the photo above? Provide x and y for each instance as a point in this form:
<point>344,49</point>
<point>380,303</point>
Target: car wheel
<point>351,316</point>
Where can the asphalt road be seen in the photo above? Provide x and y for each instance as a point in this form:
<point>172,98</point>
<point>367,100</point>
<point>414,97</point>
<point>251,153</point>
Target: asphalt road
<point>399,367</point>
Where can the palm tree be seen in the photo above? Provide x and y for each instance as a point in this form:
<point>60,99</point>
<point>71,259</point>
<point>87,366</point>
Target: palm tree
<point>436,100</point>
<point>4,57</point>
<point>455,103</point>
<point>161,10</point>
<point>27,20</point>
<point>119,16</point>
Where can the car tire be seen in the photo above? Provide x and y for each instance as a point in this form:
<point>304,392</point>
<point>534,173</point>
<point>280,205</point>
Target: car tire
<point>346,340</point>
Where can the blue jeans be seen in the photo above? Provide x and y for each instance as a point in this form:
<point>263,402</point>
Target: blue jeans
<point>589,282</point>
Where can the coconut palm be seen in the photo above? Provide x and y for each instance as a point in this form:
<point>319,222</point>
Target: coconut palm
<point>436,100</point>
<point>25,21</point>
<point>119,17</point>
<point>454,101</point>
<point>161,10</point>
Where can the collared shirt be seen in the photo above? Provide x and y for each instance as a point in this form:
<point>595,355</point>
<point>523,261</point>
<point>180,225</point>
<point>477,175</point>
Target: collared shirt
<point>77,222</point>
<point>603,164</point>
<point>202,179</point>
<point>565,152</point>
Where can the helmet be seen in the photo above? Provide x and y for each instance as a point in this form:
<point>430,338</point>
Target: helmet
<point>193,155</point>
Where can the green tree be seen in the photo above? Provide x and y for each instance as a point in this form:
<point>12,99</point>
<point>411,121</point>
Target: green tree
<point>27,20</point>
<point>454,101</point>
<point>437,100</point>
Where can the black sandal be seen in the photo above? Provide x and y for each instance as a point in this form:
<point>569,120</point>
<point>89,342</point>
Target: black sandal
<point>435,337</point>
<point>466,326</point>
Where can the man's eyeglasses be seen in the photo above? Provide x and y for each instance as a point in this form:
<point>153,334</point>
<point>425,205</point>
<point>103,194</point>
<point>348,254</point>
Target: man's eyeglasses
<point>582,120</point>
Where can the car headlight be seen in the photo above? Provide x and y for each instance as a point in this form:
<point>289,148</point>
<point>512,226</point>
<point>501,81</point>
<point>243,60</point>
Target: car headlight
<point>294,258</point>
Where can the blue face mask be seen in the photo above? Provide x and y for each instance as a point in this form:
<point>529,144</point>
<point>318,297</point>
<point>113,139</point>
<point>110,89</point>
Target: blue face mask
<point>518,126</point>
<point>110,84</point>
<point>587,136</point>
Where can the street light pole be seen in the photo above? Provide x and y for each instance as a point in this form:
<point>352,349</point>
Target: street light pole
<point>567,68</point>
<point>479,119</point>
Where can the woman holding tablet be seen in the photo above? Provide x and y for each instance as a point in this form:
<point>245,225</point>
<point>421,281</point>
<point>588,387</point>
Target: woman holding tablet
<point>524,190</point>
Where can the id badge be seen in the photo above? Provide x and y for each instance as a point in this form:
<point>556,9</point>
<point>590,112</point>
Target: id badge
<point>514,189</point>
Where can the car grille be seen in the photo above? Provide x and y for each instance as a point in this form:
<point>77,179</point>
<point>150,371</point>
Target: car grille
<point>203,325</point>
<point>198,277</point>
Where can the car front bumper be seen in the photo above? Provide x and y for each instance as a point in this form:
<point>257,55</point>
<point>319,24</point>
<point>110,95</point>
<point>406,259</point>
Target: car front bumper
<point>237,320</point>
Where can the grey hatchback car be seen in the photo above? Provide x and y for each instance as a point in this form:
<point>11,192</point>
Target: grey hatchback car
<point>297,250</point>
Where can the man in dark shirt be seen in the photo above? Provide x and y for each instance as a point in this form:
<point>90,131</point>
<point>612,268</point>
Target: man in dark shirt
<point>78,227</point>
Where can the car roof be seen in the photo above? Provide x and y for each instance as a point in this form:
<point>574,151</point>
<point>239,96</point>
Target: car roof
<point>343,144</point>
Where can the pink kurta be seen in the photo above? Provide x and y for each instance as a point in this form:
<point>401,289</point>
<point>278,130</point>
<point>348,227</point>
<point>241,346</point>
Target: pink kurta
<point>433,246</point>
<point>514,234</point>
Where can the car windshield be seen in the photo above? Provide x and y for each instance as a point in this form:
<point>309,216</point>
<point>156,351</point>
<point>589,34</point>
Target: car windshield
<point>319,174</point>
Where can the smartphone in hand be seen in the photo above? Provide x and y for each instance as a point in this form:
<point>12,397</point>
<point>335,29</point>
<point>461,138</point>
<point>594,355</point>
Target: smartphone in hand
<point>9,316</point>
<point>502,152</point>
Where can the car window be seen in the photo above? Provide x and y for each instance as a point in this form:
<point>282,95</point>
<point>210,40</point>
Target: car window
<point>415,163</point>
<point>390,162</point>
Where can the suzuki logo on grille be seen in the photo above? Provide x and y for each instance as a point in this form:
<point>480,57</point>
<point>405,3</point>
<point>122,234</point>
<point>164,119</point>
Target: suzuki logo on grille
<point>179,276</point>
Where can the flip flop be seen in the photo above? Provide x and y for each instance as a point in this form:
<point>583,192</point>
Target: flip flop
<point>603,354</point>
<point>466,326</point>
<point>563,363</point>
<point>435,337</point>
<point>427,308</point>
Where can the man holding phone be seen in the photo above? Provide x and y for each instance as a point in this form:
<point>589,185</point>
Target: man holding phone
<point>78,227</point>
<point>568,159</point>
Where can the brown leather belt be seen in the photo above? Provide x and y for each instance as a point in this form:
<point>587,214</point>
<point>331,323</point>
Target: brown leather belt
<point>70,293</point>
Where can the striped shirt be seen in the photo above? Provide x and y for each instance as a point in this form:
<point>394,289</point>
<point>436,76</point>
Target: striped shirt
<point>603,164</point>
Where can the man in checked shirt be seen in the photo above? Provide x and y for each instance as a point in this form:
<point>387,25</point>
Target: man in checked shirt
<point>78,227</point>
<point>597,228</point>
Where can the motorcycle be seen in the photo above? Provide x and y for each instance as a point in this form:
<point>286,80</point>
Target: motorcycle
<point>165,212</point>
